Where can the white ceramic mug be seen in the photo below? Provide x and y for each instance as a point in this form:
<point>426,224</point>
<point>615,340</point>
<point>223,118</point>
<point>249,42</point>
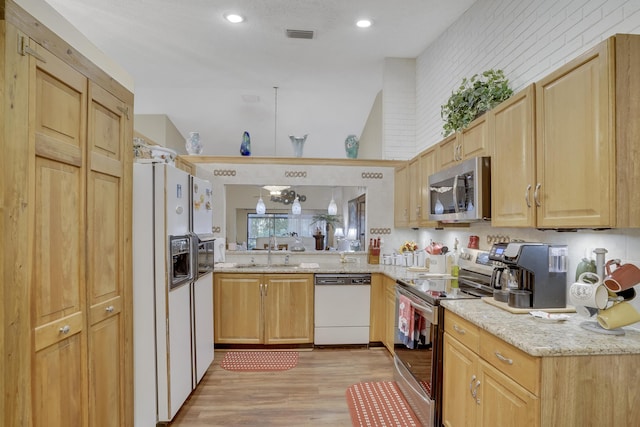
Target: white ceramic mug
<point>588,294</point>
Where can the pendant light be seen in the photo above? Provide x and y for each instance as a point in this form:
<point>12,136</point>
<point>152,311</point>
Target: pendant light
<point>261,209</point>
<point>296,208</point>
<point>333,208</point>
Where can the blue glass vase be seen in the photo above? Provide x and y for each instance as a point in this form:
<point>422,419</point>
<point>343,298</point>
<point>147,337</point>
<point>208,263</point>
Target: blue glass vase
<point>351,145</point>
<point>245,147</point>
<point>193,144</point>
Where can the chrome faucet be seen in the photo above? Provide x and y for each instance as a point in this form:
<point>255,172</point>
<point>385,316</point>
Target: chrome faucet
<point>272,243</point>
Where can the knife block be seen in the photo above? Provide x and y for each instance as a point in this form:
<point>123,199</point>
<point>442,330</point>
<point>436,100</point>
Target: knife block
<point>374,256</point>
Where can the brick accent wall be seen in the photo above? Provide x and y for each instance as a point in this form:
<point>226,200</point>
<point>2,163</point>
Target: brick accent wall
<point>527,39</point>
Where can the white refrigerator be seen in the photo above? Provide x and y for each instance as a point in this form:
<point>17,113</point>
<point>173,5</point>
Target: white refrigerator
<point>164,267</point>
<point>201,224</point>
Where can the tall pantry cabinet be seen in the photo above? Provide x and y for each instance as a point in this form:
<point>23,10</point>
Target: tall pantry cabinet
<point>66,201</point>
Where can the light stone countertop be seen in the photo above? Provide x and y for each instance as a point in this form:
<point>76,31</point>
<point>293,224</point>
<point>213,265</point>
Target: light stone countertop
<point>395,272</point>
<point>539,338</point>
<point>533,336</point>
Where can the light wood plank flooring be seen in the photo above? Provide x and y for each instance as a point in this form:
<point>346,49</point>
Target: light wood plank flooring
<point>311,394</point>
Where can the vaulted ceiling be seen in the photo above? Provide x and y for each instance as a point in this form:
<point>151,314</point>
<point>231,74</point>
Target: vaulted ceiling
<point>219,79</point>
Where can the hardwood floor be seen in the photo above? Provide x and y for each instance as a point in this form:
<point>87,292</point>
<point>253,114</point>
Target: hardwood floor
<point>311,394</point>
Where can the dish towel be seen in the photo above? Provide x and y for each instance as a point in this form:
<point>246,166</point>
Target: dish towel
<point>406,322</point>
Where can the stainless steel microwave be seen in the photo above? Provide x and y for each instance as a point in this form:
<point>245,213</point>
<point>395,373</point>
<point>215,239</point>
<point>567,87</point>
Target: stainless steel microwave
<point>461,193</point>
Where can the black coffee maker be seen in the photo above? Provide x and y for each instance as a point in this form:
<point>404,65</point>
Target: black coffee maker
<point>540,271</point>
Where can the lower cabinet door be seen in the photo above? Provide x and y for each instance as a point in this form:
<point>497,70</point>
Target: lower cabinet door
<point>459,388</point>
<point>503,402</point>
<point>238,308</point>
<point>288,315</point>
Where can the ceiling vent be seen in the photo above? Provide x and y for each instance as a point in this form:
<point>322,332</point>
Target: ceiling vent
<point>299,34</point>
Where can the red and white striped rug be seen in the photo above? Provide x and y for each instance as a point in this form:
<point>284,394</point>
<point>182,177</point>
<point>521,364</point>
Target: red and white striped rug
<point>252,361</point>
<point>379,404</point>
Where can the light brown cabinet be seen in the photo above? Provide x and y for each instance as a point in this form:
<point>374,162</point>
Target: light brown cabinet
<point>488,382</point>
<point>428,166</point>
<point>472,141</point>
<point>513,161</point>
<point>414,199</point>
<point>411,193</point>
<point>587,139</point>
<point>390,314</point>
<point>68,167</point>
<point>401,197</point>
<point>377,322</point>
<point>575,144</point>
<point>263,308</point>
<point>476,393</point>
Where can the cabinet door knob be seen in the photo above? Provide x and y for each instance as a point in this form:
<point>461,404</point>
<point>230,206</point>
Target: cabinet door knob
<point>65,329</point>
<point>471,389</point>
<point>503,359</point>
<point>109,309</point>
<point>526,195</point>
<point>535,194</point>
<point>459,330</point>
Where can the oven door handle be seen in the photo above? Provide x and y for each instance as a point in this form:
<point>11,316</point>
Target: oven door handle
<point>427,309</point>
<point>396,361</point>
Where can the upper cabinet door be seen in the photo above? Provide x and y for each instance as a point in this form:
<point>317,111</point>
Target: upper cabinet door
<point>575,143</point>
<point>400,193</point>
<point>57,114</point>
<point>513,163</point>
<point>428,166</point>
<point>108,210</point>
<point>474,139</point>
<point>449,151</point>
<point>414,200</point>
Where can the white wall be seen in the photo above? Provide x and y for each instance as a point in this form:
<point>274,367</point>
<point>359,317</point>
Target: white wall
<point>371,137</point>
<point>399,109</point>
<point>528,40</point>
<point>161,130</point>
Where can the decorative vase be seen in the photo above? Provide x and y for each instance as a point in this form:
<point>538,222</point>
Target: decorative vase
<point>298,144</point>
<point>193,144</point>
<point>351,145</point>
<point>245,147</point>
<point>319,241</point>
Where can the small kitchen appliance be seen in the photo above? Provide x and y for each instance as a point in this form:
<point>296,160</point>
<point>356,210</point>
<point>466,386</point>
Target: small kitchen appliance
<point>538,272</point>
<point>462,193</point>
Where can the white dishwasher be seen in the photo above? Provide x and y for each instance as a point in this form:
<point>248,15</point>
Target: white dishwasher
<point>342,308</point>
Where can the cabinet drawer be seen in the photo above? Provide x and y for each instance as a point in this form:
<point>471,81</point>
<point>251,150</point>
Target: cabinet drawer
<point>516,364</point>
<point>462,330</point>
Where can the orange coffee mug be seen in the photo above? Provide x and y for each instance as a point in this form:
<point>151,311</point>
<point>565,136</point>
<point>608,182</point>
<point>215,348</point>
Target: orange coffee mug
<point>623,277</point>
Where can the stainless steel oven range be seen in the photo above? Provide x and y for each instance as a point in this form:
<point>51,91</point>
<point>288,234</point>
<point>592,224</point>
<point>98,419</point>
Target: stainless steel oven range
<point>420,329</point>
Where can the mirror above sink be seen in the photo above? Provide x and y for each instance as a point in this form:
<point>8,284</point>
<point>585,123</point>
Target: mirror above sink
<point>314,201</point>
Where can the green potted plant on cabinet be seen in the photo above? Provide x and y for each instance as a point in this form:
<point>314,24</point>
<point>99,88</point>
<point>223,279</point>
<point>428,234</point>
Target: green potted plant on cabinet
<point>475,95</point>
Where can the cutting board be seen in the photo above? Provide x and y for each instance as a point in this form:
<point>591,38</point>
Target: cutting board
<point>515,310</point>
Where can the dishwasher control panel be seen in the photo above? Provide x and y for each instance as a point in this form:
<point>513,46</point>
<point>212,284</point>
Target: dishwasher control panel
<point>343,279</point>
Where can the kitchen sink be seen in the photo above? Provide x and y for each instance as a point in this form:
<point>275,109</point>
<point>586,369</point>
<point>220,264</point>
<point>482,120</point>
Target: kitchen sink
<point>254,265</point>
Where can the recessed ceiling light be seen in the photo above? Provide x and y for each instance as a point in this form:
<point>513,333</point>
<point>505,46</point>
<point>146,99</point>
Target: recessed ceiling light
<point>234,18</point>
<point>364,23</point>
